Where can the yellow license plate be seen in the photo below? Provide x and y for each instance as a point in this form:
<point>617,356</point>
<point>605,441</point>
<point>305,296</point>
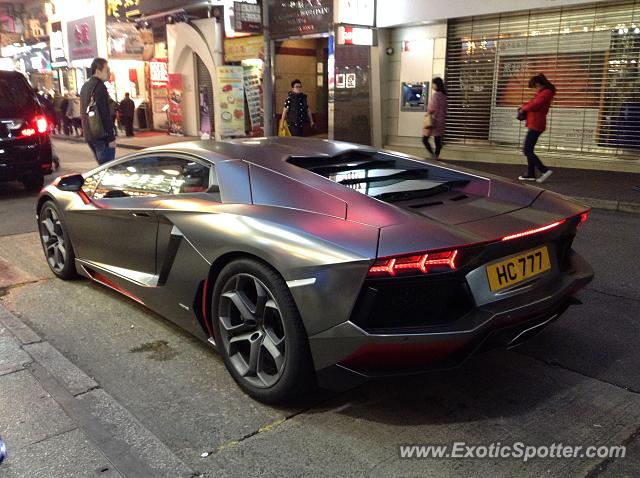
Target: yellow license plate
<point>518,268</point>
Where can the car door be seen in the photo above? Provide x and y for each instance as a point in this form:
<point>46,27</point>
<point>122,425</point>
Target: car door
<point>121,228</point>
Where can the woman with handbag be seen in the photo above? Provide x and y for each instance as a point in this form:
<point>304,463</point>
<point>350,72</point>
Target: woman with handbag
<point>535,113</point>
<point>435,118</point>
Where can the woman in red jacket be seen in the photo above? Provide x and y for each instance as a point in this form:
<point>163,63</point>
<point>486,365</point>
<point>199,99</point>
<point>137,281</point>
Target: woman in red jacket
<point>537,110</point>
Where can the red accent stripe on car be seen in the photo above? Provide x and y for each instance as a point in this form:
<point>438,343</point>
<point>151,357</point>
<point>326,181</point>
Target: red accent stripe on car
<point>112,285</point>
<point>205,318</point>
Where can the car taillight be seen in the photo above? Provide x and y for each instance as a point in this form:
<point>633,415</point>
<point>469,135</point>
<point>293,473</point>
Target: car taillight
<point>41,126</point>
<point>425,263</point>
<point>583,218</point>
<point>528,232</point>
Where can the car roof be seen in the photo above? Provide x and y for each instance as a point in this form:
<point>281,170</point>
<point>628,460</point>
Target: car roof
<point>263,151</point>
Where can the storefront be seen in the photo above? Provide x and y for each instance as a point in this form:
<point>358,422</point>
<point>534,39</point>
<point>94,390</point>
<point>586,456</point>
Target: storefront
<point>310,45</point>
<point>591,54</point>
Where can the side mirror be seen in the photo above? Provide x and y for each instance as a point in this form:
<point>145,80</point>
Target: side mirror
<point>71,182</point>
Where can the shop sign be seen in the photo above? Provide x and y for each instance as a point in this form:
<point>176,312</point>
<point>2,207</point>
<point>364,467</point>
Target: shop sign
<point>230,99</point>
<point>118,10</point>
<point>175,104</point>
<point>247,17</point>
<point>245,48</point>
<point>354,36</point>
<point>81,35</point>
<point>355,12</point>
<point>57,42</point>
<point>299,17</point>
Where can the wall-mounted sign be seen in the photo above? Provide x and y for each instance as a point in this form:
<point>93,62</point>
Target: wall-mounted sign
<point>355,12</point>
<point>245,48</point>
<point>294,18</point>
<point>57,43</point>
<point>354,36</point>
<point>350,80</point>
<point>118,10</point>
<point>81,35</point>
<point>159,73</point>
<point>247,17</point>
<point>340,80</point>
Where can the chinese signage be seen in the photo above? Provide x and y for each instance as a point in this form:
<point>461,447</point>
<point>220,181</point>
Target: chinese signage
<point>230,98</point>
<point>299,17</point>
<point>355,12</point>
<point>126,42</point>
<point>82,39</point>
<point>245,48</point>
<point>159,73</point>
<point>247,17</point>
<point>118,10</point>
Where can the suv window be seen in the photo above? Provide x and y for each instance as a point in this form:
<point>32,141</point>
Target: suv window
<point>154,176</point>
<point>17,94</point>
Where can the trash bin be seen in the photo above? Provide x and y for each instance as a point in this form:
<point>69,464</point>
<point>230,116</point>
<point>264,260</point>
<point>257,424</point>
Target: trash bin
<point>143,121</point>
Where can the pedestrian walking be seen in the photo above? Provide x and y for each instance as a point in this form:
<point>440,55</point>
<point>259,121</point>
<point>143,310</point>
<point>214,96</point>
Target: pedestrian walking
<point>126,109</point>
<point>96,114</point>
<point>296,109</point>
<point>73,113</point>
<point>536,111</point>
<point>435,118</point>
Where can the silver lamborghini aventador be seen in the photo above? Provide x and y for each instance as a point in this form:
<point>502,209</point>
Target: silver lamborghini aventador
<point>310,261</point>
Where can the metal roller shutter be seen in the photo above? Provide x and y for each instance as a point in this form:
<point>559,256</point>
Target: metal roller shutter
<point>591,54</point>
<point>204,79</point>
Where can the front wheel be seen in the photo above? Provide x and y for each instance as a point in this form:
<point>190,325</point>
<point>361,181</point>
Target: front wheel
<point>259,332</point>
<point>56,243</point>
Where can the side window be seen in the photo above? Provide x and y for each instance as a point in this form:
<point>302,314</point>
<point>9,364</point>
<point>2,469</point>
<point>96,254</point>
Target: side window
<point>90,183</point>
<point>153,176</point>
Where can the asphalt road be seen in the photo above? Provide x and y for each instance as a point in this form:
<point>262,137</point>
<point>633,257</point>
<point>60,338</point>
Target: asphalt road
<point>576,383</point>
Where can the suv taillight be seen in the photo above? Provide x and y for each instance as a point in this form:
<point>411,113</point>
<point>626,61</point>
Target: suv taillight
<point>39,125</point>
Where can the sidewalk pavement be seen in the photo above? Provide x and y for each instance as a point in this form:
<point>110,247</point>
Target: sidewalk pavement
<point>613,191</point>
<point>57,421</point>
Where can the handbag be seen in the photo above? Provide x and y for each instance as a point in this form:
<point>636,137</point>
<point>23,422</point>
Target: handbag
<point>521,115</point>
<point>283,130</point>
<point>94,122</point>
<point>428,124</point>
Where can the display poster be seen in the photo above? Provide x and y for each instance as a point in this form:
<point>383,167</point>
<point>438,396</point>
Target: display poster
<point>125,41</point>
<point>244,48</point>
<point>175,104</point>
<point>230,99</point>
<point>159,80</point>
<point>254,93</point>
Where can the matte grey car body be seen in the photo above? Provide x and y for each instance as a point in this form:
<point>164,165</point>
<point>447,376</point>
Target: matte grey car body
<point>304,208</point>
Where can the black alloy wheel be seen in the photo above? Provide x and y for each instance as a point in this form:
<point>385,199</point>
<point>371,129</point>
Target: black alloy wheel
<point>57,246</point>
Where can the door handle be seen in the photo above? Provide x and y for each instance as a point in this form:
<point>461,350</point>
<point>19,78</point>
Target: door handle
<point>140,214</point>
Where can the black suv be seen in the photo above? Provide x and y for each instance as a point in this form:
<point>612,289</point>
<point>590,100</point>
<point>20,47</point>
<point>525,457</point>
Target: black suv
<point>25,145</point>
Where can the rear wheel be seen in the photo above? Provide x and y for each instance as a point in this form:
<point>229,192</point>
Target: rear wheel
<point>55,242</point>
<point>33,182</point>
<point>259,332</point>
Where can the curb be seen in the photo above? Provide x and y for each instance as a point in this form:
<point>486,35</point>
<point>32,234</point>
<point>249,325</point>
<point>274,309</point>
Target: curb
<point>123,440</point>
<point>595,203</point>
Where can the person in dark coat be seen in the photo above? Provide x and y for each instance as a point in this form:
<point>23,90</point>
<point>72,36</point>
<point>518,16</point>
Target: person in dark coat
<point>296,109</point>
<point>126,109</point>
<point>103,148</point>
